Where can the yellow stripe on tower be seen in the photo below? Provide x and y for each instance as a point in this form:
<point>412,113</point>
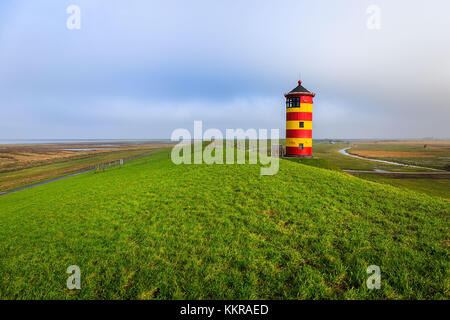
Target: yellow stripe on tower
<point>304,107</point>
<point>307,125</point>
<point>294,142</point>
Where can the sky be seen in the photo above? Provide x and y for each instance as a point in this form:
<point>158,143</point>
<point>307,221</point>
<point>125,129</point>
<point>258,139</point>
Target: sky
<point>139,69</point>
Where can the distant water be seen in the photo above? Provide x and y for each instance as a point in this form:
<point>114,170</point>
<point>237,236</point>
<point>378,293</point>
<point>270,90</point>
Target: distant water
<point>42,141</point>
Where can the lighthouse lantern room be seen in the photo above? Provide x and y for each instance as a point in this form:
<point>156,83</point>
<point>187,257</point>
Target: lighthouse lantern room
<point>299,105</point>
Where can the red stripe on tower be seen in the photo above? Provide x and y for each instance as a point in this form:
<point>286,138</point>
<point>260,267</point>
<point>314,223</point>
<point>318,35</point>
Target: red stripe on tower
<point>300,116</point>
<point>298,133</point>
<point>307,99</point>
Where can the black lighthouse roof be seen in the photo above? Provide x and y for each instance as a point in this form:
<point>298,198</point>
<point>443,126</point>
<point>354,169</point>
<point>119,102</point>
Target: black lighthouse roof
<point>300,89</point>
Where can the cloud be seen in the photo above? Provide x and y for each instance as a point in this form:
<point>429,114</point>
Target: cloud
<point>138,68</point>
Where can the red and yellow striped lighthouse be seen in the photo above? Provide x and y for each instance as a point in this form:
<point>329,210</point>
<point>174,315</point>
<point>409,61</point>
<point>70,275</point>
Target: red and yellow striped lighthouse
<point>299,107</point>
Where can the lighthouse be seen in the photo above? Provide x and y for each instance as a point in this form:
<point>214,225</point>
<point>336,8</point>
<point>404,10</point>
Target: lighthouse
<point>299,107</point>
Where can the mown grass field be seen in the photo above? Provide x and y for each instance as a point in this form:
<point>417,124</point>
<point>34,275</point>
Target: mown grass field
<point>154,230</point>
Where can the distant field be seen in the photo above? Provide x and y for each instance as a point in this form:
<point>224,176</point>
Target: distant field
<point>326,155</point>
<point>433,154</point>
<point>330,153</point>
<point>155,230</point>
<point>24,164</point>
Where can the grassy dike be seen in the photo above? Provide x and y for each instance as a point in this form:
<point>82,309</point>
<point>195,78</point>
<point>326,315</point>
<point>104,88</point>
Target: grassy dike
<point>37,172</point>
<point>154,230</point>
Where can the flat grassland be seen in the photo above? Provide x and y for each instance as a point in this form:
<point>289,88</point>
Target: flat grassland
<point>326,155</point>
<point>330,153</point>
<point>156,230</point>
<point>25,164</point>
<point>433,154</point>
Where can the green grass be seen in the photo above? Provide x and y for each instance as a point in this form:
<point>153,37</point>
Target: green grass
<point>330,153</point>
<point>12,179</point>
<point>436,154</point>
<point>154,230</point>
<point>435,187</point>
<point>315,162</point>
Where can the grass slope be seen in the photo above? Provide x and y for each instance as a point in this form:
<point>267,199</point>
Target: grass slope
<point>154,230</point>
<point>434,187</point>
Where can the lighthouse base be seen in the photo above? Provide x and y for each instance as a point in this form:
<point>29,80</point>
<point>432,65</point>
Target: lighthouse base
<point>297,152</point>
<point>297,156</point>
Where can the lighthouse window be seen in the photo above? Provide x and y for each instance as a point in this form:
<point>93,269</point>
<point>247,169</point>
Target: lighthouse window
<point>301,124</point>
<point>300,146</point>
<point>293,102</point>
